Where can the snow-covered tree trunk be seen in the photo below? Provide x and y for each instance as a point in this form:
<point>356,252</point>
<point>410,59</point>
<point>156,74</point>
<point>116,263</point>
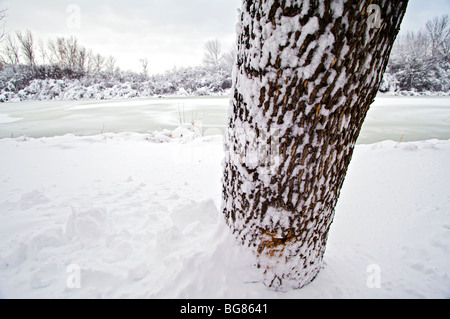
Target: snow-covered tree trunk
<point>306,75</point>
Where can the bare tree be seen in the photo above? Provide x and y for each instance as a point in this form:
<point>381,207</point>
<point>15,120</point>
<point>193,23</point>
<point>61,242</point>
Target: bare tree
<point>2,23</point>
<point>59,54</point>
<point>110,64</point>
<point>43,52</point>
<point>307,73</point>
<point>52,53</point>
<point>82,59</point>
<point>89,61</point>
<point>229,58</point>
<point>98,62</point>
<point>438,30</point>
<point>213,53</point>
<point>3,60</point>
<point>26,43</point>
<point>144,65</point>
<point>412,45</point>
<point>73,52</point>
<point>67,53</point>
<point>11,51</point>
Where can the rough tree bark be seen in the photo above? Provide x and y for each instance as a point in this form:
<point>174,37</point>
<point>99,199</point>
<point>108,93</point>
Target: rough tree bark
<point>306,75</point>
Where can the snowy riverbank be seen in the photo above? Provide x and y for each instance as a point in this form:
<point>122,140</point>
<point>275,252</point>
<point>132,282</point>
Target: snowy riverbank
<point>141,219</point>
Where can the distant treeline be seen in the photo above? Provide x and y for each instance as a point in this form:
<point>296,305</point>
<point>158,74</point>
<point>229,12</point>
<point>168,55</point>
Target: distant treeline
<point>420,61</point>
<point>47,83</point>
<point>67,70</point>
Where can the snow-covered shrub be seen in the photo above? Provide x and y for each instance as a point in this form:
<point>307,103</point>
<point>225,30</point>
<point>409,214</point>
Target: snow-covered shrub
<point>389,84</point>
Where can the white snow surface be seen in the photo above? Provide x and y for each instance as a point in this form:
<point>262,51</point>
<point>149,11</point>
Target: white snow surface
<point>139,216</point>
<point>5,118</point>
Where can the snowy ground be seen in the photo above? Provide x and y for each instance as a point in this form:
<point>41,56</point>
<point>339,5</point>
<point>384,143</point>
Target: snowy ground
<point>138,219</point>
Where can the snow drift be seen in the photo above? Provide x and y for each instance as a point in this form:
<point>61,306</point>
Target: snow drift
<point>139,217</point>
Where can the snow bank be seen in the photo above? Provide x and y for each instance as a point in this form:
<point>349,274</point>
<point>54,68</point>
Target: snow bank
<point>131,217</point>
<point>20,84</point>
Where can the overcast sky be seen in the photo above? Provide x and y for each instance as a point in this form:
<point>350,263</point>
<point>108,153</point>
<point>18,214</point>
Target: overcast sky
<point>167,32</point>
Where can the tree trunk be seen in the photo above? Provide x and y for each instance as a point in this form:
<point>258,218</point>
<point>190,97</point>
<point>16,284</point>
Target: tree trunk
<point>306,75</point>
